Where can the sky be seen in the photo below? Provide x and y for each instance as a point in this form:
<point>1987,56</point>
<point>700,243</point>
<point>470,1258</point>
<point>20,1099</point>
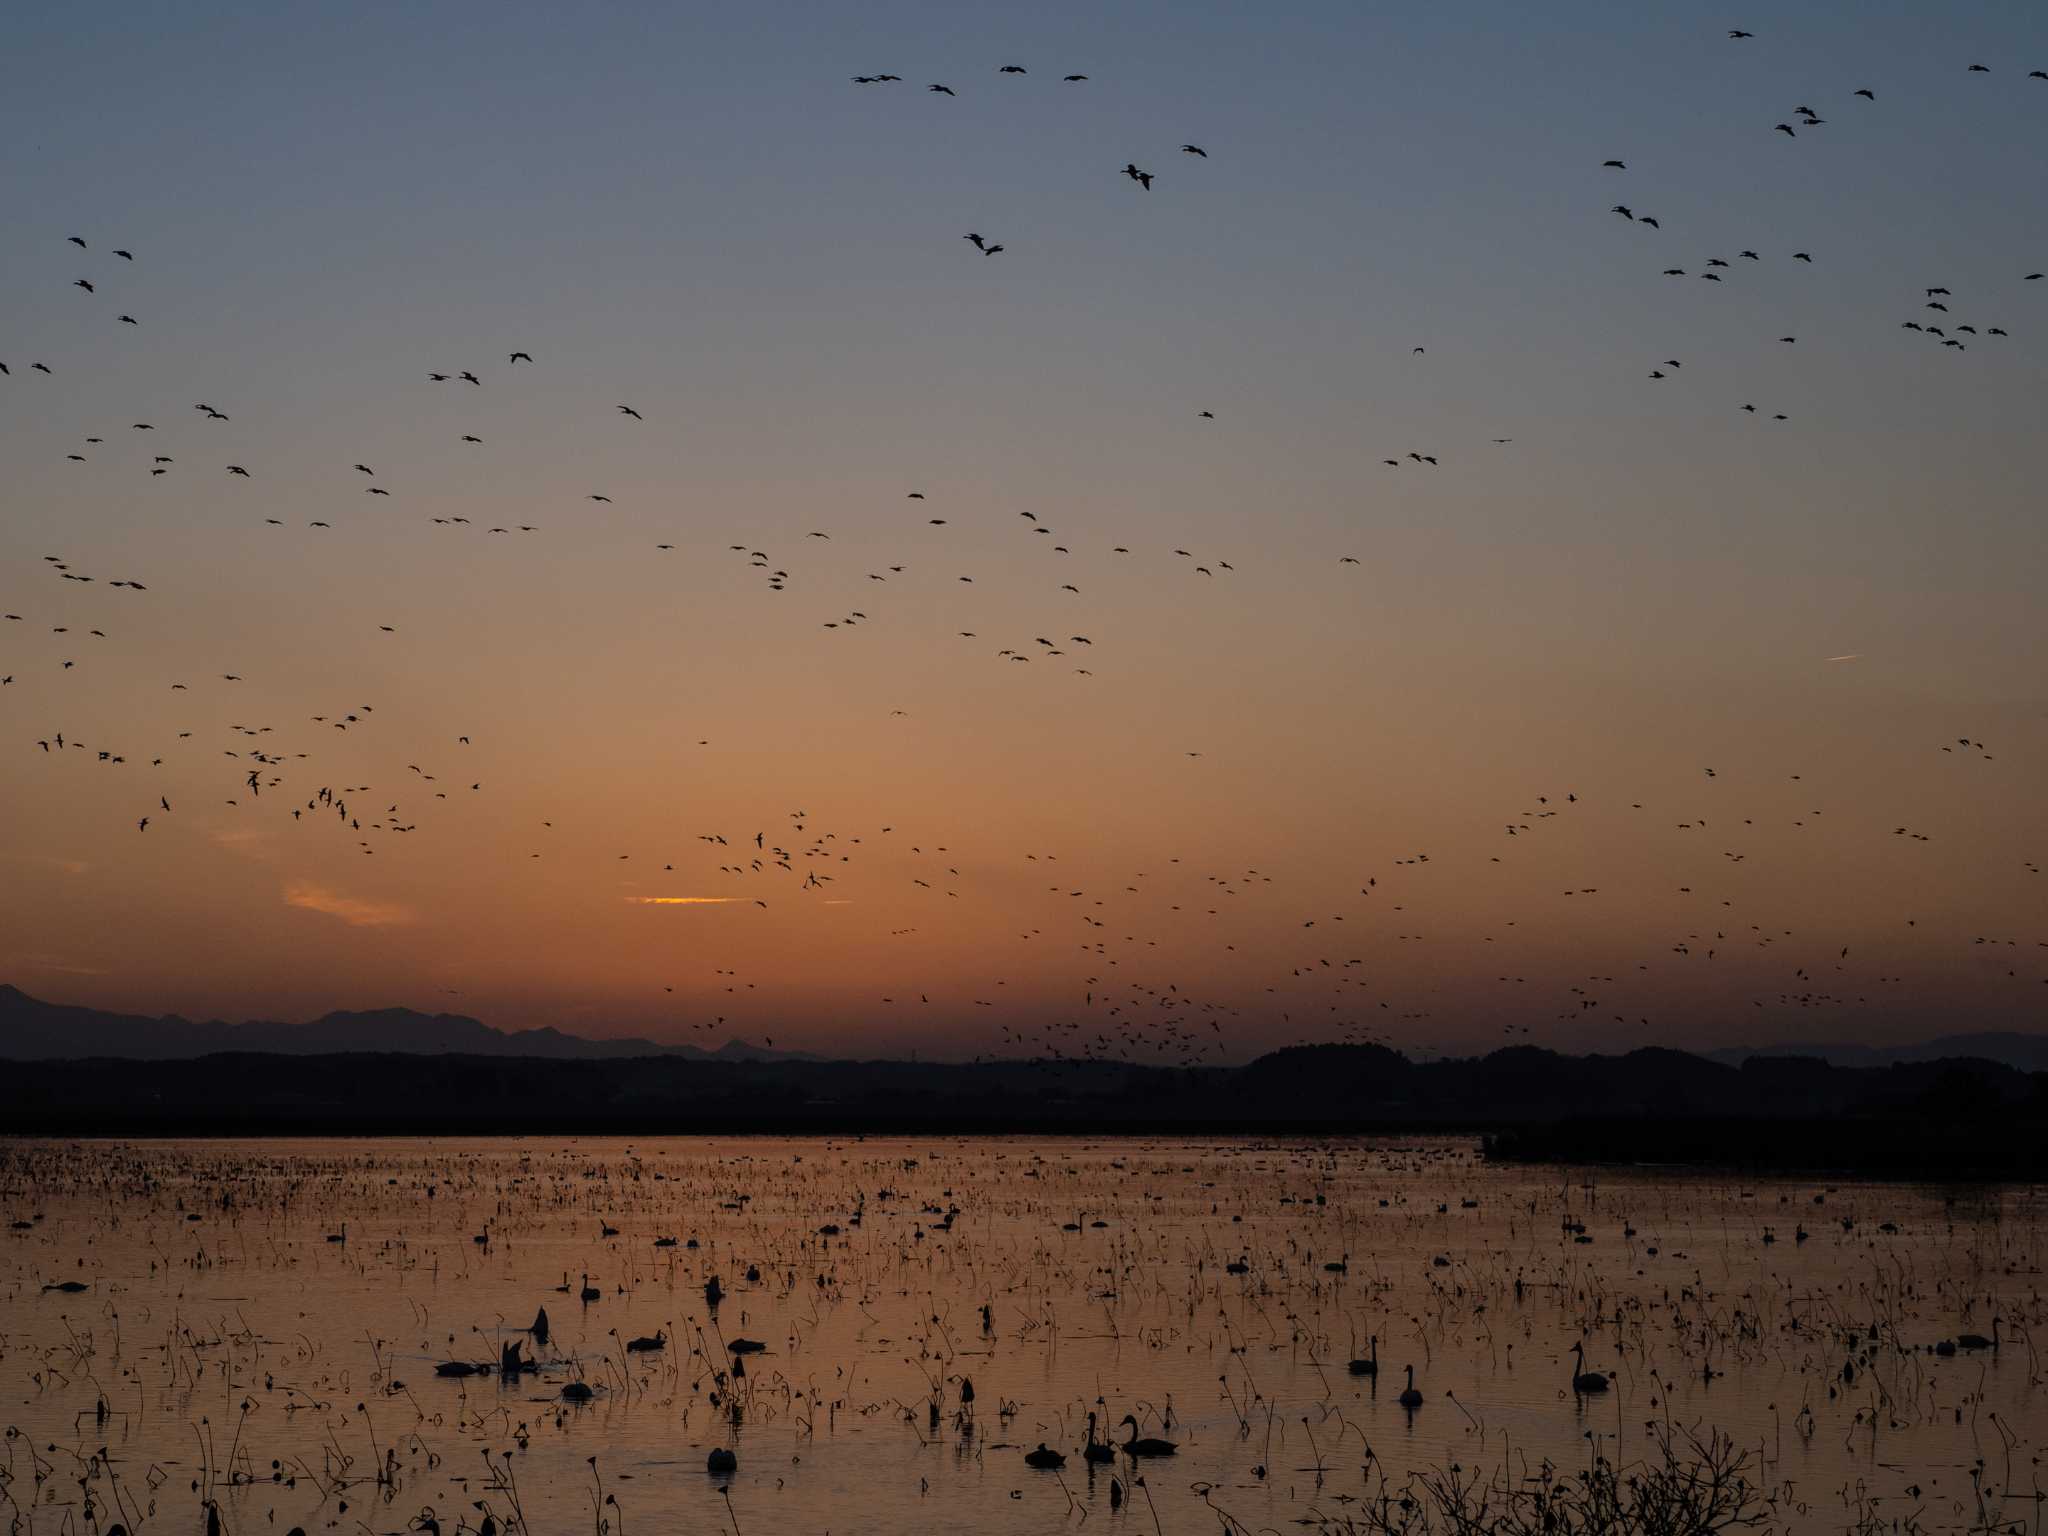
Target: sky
<point>1415,753</point>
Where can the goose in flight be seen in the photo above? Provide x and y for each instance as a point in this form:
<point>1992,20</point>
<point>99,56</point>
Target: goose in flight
<point>1142,178</point>
<point>1194,149</point>
<point>520,357</point>
<point>943,90</point>
<point>627,410</point>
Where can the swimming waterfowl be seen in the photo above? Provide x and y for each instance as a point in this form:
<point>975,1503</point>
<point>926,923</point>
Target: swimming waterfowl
<point>1584,1380</point>
<point>1977,1340</point>
<point>1145,1447</point>
<point>1410,1397</point>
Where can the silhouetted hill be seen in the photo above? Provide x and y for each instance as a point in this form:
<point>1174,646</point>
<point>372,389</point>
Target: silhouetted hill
<point>76,1070</point>
<point>32,1030</point>
<point>2027,1052</point>
<point>1960,1117</point>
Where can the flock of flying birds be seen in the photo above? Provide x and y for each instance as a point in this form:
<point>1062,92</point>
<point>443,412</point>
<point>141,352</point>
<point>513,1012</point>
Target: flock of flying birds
<point>1325,986</point>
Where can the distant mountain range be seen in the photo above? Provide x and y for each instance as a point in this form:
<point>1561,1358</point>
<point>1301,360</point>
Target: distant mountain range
<point>1959,1108</point>
<point>2027,1052</point>
<point>33,1030</point>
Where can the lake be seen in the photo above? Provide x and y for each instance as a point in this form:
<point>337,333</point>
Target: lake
<point>262,1325</point>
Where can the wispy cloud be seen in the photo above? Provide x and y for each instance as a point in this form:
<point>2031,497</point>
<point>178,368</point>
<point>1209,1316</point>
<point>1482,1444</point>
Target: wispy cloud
<point>49,861</point>
<point>351,910</point>
<point>245,841</point>
<point>683,901</point>
<point>1851,656</point>
<point>47,963</point>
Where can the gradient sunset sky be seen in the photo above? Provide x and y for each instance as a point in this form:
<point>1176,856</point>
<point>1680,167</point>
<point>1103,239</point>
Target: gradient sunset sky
<point>1211,841</point>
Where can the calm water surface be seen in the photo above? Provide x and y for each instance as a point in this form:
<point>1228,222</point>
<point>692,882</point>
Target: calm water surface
<point>266,1319</point>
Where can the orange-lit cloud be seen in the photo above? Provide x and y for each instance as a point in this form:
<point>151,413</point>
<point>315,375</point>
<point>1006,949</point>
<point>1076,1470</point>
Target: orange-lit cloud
<point>45,963</point>
<point>354,912</point>
<point>684,901</point>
